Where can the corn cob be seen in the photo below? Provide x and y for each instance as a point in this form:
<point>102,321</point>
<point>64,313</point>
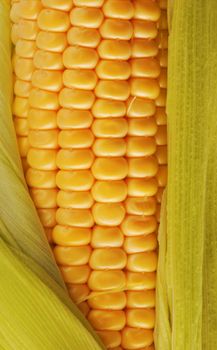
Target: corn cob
<point>97,156</point>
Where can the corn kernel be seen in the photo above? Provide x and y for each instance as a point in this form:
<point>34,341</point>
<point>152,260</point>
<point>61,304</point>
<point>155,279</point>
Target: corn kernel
<point>75,138</point>
<point>116,29</point>
<point>74,119</point>
<point>109,147</point>
<point>21,126</point>
<point>144,29</point>
<point>80,57</point>
<point>73,98</point>
<point>113,301</point>
<point>47,80</point>
<point>48,60</point>
<point>22,88</point>
<point>64,5</point>
<point>146,88</point>
<point>146,10</point>
<point>86,37</point>
<point>42,159</point>
<point>142,187</point>
<point>135,225</point>
<point>75,274</point>
<point>23,68</point>
<point>72,256</point>
<point>80,79</point>
<point>53,21</point>
<point>145,68</point>
<point>84,308</point>
<point>107,320</point>
<point>118,9</point>
<point>110,168</point>
<point>140,280</point>
<point>51,41</point>
<point>142,48</point>
<point>109,258</point>
<point>108,69</point>
<point>43,138</point>
<point>78,291</point>
<point>111,127</point>
<point>79,180</point>
<point>142,166</point>
<point>143,243</point>
<point>76,200</point>
<point>86,17</point>
<point>68,159</point>
<point>161,154</point>
<point>108,108</point>
<point>41,179</point>
<point>110,339</point>
<point>161,135</point>
<point>74,217</point>
<point>136,338</point>
<point>162,176</point>
<point>103,237</point>
<point>27,30</point>
<point>40,119</point>
<point>43,99</point>
<point>108,214</point>
<point>114,49</point>
<point>23,145</point>
<point>20,107</point>
<point>141,299</point>
<point>107,280</point>
<point>109,191</point>
<point>140,205</point>
<point>141,318</point>
<point>89,3</point>
<point>142,262</point>
<point>44,198</point>
<point>116,90</point>
<point>25,48</point>
<point>71,236</point>
<point>29,9</point>
<point>142,126</point>
<point>47,217</point>
<point>140,146</point>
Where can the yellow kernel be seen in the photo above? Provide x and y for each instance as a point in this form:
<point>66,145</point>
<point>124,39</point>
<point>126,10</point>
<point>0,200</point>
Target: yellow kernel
<point>118,9</point>
<point>53,21</point>
<point>146,88</point>
<point>48,60</point>
<point>163,39</point>
<point>140,107</point>
<point>163,58</point>
<point>110,168</point>
<point>144,29</point>
<point>141,299</point>
<point>74,119</point>
<point>108,258</point>
<point>161,154</point>
<point>116,90</point>
<point>47,217</point>
<point>41,179</point>
<point>136,338</point>
<point>163,78</point>
<point>142,262</point>
<point>78,291</point>
<point>64,5</point>
<point>143,166</point>
<point>42,119</point>
<point>110,339</point>
<point>161,99</point>
<point>109,147</point>
<point>134,225</point>
<point>145,68</point>
<point>71,236</point>
<point>114,49</point>
<point>48,233</point>
<point>140,205</point>
<point>80,57</point>
<point>160,194</point>
<point>80,79</point>
<point>79,180</point>
<point>43,138</point>
<point>142,48</point>
<point>68,159</point>
<point>142,126</point>
<point>108,69</point>
<point>72,256</point>
<point>107,280</point>
<point>44,198</point>
<point>75,138</point>
<point>138,244</point>
<point>109,191</point>
<point>25,48</point>
<point>89,3</point>
<point>74,217</point>
<point>161,135</point>
<point>116,29</point>
<point>15,13</point>
<point>22,88</point>
<point>141,318</point>
<point>84,308</point>
<point>47,80</point>
<point>86,17</point>
<point>108,108</point>
<point>107,320</point>
<point>161,117</point>
<point>75,274</point>
<point>103,237</point>
<point>111,127</point>
<point>23,145</point>
<point>142,187</point>
<point>111,301</point>
<point>20,107</point>
<point>74,98</point>
<point>14,33</point>
<point>140,280</point>
<point>108,214</point>
<point>146,10</point>
<point>21,126</point>
<point>162,176</point>
<point>42,159</point>
<point>51,41</point>
<point>43,99</point>
<point>86,37</point>
<point>23,68</point>
<point>30,9</point>
<point>76,200</point>
<point>138,146</point>
<point>27,30</point>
